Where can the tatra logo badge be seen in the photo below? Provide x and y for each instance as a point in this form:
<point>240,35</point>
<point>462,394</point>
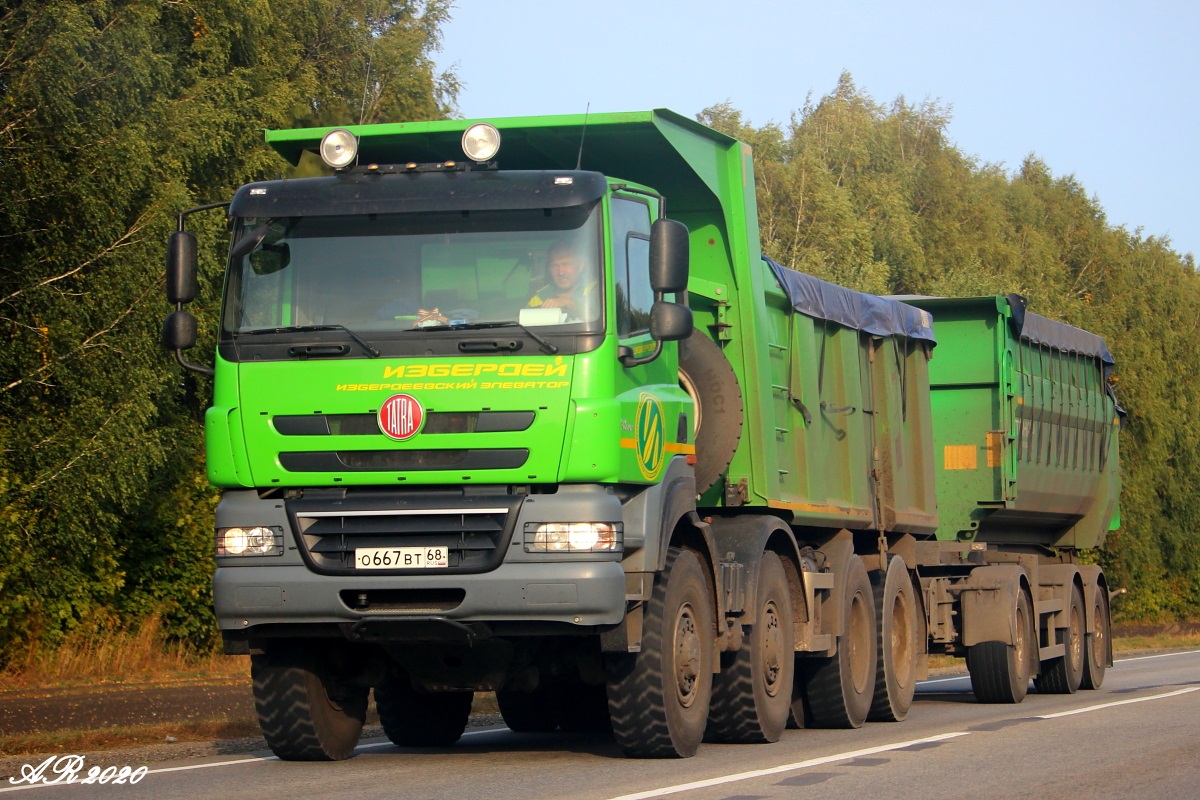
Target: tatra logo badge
<point>400,417</point>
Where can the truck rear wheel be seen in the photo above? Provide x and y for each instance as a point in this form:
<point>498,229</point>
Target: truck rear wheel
<point>306,712</point>
<point>658,699</point>
<point>417,719</point>
<point>896,617</point>
<point>1000,672</point>
<point>752,697</point>
<point>1064,674</point>
<point>1095,655</point>
<point>838,691</point>
<point>530,712</point>
<point>707,377</point>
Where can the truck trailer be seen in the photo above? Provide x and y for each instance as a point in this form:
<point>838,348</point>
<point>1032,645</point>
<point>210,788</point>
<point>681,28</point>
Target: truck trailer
<point>518,405</point>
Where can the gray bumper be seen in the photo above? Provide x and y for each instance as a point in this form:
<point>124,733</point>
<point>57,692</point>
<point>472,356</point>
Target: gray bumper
<point>576,593</point>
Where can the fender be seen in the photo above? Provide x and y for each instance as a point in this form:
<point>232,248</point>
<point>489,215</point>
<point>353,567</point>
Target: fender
<point>744,540</point>
<point>989,602</point>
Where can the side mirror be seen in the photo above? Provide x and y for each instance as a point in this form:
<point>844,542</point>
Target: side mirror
<point>181,267</point>
<point>668,256</point>
<point>670,322</point>
<point>179,331</point>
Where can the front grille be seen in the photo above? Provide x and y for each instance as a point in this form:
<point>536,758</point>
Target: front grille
<point>474,537</point>
<point>404,460</point>
<point>435,422</point>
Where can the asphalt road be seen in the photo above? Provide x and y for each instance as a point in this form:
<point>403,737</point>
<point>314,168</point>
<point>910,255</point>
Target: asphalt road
<point>1138,736</point>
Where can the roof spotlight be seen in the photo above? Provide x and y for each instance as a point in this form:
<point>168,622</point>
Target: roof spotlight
<point>339,148</point>
<point>481,142</point>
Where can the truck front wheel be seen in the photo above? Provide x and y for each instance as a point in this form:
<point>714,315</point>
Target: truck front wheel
<point>659,698</point>
<point>306,711</point>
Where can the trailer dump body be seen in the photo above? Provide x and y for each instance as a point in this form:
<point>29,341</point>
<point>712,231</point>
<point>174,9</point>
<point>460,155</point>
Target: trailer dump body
<point>1026,426</point>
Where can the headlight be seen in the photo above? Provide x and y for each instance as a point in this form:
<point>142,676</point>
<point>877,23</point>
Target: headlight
<point>249,541</point>
<point>573,537</point>
<point>481,142</point>
<point>339,148</point>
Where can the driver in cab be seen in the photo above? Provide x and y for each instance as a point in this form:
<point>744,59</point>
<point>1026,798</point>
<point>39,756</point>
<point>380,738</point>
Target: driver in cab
<point>568,289</point>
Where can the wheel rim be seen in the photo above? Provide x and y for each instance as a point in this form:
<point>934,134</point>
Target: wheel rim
<point>1021,640</point>
<point>860,644</point>
<point>1100,638</point>
<point>1075,650</point>
<point>687,656</point>
<point>772,648</point>
<point>901,644</point>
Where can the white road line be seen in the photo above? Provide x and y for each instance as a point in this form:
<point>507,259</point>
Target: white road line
<point>1160,655</point>
<point>812,762</point>
<point>232,763</point>
<point>741,776</point>
<point>1117,703</point>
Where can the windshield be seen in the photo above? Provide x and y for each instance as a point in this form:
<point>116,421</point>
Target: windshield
<point>408,274</point>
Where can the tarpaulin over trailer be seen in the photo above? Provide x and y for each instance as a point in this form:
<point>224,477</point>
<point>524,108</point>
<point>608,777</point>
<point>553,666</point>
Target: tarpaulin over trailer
<point>1058,335</point>
<point>880,316</point>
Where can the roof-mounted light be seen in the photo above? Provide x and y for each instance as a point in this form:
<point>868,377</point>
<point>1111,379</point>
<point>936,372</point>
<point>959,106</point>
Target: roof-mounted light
<point>339,148</point>
<point>481,142</point>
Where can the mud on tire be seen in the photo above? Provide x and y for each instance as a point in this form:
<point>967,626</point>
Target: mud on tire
<point>306,712</point>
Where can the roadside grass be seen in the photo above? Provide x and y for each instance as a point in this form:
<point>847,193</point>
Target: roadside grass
<point>91,657</point>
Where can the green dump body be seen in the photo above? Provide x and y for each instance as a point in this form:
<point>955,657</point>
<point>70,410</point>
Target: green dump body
<point>1025,431</point>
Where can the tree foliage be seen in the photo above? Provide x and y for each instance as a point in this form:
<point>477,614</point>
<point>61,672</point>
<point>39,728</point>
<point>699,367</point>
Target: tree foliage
<point>115,115</point>
<point>876,197</point>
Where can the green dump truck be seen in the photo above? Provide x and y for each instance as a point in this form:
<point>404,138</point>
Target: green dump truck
<point>517,406</point>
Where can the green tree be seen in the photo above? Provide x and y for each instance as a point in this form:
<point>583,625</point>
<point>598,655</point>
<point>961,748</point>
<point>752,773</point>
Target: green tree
<point>115,116</point>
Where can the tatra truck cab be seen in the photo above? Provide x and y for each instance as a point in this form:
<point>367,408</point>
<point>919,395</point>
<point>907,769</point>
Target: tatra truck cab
<point>517,406</point>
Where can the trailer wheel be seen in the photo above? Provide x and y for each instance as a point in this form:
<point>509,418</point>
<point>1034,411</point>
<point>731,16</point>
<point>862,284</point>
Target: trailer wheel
<point>896,618</point>
<point>416,719</point>
<point>838,691</point>
<point>530,712</point>
<point>1095,655</point>
<point>658,699</point>
<point>306,712</point>
<point>705,374</point>
<point>1000,672</point>
<point>1064,674</point>
<point>752,697</point>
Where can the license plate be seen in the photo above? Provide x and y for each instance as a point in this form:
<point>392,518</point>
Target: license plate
<point>401,557</point>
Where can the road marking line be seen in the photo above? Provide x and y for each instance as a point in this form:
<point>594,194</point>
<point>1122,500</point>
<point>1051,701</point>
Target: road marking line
<point>813,762</point>
<point>1118,703</point>
<point>1160,655</point>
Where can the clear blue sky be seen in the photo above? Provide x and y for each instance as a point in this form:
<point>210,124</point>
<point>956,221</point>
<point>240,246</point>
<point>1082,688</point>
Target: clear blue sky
<point>1107,91</point>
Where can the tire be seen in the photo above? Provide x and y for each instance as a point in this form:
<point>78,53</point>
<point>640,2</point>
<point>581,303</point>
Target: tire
<point>1000,672</point>
<point>896,618</point>
<point>1095,655</point>
<point>838,691</point>
<point>705,374</point>
<point>1064,674</point>
<point>305,712</point>
<point>530,712</point>
<point>658,699</point>
<point>752,697</point>
<point>415,719</point>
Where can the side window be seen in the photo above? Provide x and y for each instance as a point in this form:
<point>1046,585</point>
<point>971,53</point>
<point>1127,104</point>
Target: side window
<point>631,265</point>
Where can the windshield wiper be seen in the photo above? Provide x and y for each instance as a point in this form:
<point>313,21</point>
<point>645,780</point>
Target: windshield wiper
<point>478,326</point>
<point>371,350</point>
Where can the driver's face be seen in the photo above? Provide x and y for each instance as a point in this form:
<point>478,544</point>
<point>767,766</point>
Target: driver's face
<point>564,272</point>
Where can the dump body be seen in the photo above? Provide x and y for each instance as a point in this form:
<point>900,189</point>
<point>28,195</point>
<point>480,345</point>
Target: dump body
<point>1025,426</point>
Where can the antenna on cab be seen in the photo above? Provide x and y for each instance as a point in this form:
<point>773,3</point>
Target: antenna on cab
<point>582,136</point>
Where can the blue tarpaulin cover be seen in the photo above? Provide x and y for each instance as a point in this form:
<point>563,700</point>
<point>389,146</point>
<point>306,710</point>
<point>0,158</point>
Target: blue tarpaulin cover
<point>880,316</point>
